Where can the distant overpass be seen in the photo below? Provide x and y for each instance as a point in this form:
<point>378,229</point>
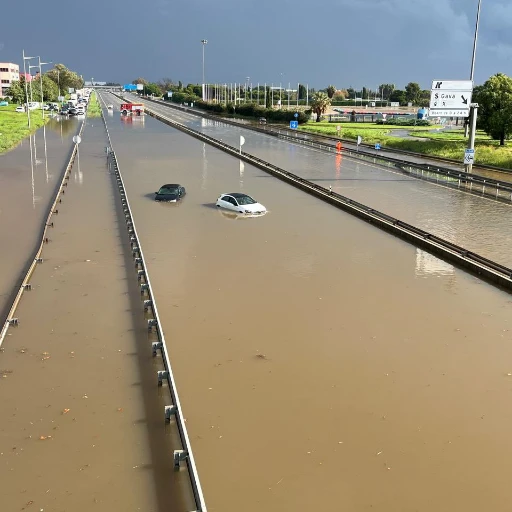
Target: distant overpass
<point>105,87</point>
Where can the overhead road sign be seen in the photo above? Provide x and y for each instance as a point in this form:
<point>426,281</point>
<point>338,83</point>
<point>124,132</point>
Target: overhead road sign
<point>450,98</point>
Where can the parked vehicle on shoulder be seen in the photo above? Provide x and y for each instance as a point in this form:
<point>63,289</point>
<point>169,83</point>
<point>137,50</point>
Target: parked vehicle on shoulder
<point>171,192</point>
<point>241,203</point>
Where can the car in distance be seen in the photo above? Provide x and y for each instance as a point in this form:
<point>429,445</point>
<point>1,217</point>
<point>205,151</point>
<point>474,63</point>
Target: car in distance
<point>72,112</point>
<point>171,192</point>
<point>241,203</point>
<point>20,109</point>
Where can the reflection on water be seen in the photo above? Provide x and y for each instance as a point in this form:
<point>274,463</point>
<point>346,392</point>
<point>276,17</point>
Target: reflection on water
<point>242,168</point>
<point>27,182</point>
<point>479,224</point>
<point>79,175</point>
<point>135,121</point>
<point>428,265</point>
<point>65,126</point>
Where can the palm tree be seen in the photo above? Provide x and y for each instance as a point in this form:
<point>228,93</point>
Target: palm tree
<point>319,104</point>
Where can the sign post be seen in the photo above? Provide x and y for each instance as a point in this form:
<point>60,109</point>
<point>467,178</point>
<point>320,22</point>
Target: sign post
<point>294,125</point>
<point>242,142</point>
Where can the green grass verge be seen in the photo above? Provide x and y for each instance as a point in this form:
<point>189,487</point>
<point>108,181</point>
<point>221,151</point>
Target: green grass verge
<point>14,126</point>
<point>94,108</point>
<point>450,144</point>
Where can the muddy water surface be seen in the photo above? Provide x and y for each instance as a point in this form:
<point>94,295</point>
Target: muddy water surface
<point>82,425</point>
<point>321,362</point>
<point>480,224</point>
<point>29,175</point>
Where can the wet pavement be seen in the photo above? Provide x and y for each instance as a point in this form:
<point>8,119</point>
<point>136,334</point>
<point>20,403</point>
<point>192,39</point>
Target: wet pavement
<point>29,177</point>
<point>82,423</point>
<point>319,360</point>
<point>480,224</point>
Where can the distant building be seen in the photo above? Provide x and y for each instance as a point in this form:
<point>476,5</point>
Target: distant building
<point>9,73</point>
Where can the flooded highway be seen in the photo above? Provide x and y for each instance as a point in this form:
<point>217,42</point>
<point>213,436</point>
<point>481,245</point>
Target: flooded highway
<point>319,360</point>
<point>29,175</point>
<point>82,425</point>
<point>479,224</point>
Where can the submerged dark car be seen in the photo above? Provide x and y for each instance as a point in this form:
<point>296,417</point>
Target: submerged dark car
<point>170,192</point>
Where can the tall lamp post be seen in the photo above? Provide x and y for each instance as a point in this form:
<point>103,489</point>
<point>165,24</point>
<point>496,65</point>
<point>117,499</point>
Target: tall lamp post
<point>26,87</point>
<point>474,106</point>
<point>41,81</point>
<point>204,42</point>
<point>30,66</point>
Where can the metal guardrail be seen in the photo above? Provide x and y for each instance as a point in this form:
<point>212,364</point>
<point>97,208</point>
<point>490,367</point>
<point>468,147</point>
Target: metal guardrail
<point>155,325</point>
<point>498,189</point>
<point>25,286</point>
<point>477,264</point>
<point>280,130</point>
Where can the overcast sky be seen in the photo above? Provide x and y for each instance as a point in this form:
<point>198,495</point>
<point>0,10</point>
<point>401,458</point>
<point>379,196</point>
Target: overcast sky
<point>342,42</point>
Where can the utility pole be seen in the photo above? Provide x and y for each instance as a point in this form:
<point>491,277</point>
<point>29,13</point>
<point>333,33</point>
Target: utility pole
<point>473,109</point>
<point>205,42</point>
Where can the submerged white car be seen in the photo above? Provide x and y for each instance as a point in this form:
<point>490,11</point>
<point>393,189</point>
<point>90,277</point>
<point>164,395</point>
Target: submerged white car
<point>241,203</point>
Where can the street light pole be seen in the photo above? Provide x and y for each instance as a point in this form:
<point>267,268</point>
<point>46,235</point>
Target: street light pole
<point>26,87</point>
<point>205,42</point>
<point>473,111</point>
<point>41,82</point>
<point>29,72</point>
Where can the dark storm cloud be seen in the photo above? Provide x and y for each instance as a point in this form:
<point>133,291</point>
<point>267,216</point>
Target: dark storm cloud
<point>344,42</point>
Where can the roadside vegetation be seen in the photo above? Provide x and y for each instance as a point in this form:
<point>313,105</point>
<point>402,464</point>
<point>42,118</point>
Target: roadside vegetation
<point>94,108</point>
<point>444,144</point>
<point>14,126</point>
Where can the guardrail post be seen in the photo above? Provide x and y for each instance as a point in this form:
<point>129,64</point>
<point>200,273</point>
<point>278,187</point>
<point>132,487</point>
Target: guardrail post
<point>148,303</point>
<point>155,347</point>
<point>162,375</point>
<point>179,456</point>
<point>152,322</point>
<point>169,411</point>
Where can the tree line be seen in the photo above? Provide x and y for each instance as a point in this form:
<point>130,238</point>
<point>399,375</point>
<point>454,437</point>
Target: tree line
<point>56,82</point>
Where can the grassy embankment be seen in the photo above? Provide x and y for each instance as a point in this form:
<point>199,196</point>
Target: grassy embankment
<point>94,108</point>
<point>446,144</point>
<point>14,126</point>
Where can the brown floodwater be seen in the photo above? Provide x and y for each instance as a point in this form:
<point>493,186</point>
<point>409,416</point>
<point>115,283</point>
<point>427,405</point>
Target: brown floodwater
<point>29,175</point>
<point>480,224</point>
<point>82,424</point>
<point>321,363</point>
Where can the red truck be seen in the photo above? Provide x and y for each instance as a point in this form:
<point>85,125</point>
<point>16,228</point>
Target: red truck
<point>132,108</point>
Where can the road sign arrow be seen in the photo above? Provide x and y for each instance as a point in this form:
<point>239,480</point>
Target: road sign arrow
<point>464,100</point>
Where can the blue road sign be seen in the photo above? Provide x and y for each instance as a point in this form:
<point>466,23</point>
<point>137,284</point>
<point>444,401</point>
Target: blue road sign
<point>296,115</point>
<point>294,125</point>
<point>377,146</point>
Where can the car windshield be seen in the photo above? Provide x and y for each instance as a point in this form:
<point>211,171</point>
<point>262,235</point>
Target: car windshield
<point>242,200</point>
<point>169,190</point>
